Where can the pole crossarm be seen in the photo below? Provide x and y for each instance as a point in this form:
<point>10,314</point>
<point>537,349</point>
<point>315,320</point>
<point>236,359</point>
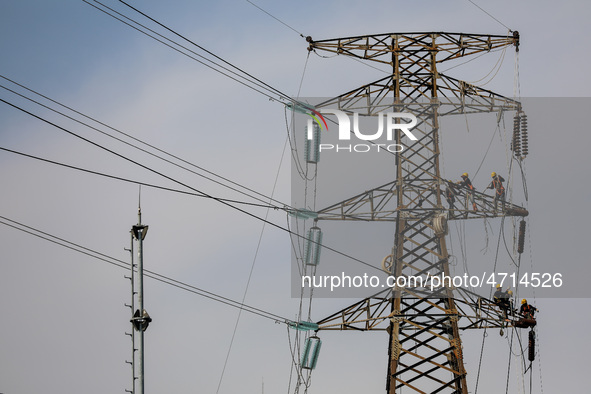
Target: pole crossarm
<point>379,204</point>
<point>373,313</point>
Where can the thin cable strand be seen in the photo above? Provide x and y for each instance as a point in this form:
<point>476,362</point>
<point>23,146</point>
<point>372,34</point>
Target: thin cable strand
<point>178,50</point>
<point>133,138</point>
<point>131,180</point>
<point>181,183</point>
<point>254,260</point>
<point>278,92</point>
<point>277,19</point>
<point>142,142</point>
<point>487,13</point>
<point>151,274</point>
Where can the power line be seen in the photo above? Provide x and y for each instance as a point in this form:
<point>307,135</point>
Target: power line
<point>151,274</point>
<point>132,181</point>
<point>471,59</point>
<point>277,19</point>
<point>487,13</point>
<point>173,48</point>
<point>276,91</point>
<point>170,46</point>
<point>281,95</point>
<point>200,193</point>
<point>128,159</point>
<point>273,94</point>
<point>254,260</point>
<point>141,142</point>
<point>181,183</point>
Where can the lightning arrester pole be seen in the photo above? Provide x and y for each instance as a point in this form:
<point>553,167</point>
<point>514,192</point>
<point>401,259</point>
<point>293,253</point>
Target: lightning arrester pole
<point>140,319</point>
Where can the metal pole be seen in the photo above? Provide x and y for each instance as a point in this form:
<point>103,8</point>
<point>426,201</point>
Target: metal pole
<point>133,349</point>
<point>141,298</point>
<point>140,318</point>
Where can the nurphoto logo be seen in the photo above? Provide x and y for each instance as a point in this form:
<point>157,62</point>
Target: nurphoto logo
<point>393,121</point>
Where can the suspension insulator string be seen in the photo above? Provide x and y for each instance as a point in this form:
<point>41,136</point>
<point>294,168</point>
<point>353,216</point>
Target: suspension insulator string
<point>532,346</point>
<point>516,142</point>
<point>521,240</point>
<point>524,137</point>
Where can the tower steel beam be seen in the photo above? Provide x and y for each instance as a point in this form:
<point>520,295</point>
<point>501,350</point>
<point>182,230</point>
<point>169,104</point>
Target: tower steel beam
<point>379,204</point>
<point>453,96</point>
<point>425,350</point>
<point>373,313</point>
<point>414,47</point>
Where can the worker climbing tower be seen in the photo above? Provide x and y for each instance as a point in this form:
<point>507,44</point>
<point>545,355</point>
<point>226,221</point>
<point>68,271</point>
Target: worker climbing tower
<point>425,350</point>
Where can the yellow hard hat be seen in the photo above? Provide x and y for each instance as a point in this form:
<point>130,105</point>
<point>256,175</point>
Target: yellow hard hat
<point>524,301</point>
<point>510,292</point>
<point>493,174</point>
<point>498,285</point>
<point>465,174</point>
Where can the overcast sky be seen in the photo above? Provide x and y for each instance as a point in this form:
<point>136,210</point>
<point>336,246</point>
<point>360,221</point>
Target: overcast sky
<point>63,316</point>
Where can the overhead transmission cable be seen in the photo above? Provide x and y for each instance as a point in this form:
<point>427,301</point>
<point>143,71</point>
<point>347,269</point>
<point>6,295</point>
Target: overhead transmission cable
<point>280,94</point>
<point>293,149</point>
<point>273,93</point>
<point>287,141</point>
<point>268,87</point>
<point>277,19</point>
<point>489,14</point>
<point>239,75</point>
<point>470,60</point>
<point>129,160</point>
<point>254,260</point>
<point>262,199</point>
<point>487,149</point>
<point>179,182</point>
<point>250,83</point>
<point>495,69</point>
<point>151,274</point>
<point>302,35</point>
<point>136,182</point>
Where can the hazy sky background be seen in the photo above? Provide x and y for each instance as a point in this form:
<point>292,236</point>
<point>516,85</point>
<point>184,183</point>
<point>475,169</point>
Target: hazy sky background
<point>63,315</point>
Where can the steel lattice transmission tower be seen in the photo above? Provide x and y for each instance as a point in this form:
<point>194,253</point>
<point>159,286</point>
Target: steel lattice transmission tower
<point>425,350</point>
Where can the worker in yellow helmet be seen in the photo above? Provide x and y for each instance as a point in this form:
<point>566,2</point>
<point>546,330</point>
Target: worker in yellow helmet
<point>465,182</point>
<point>498,295</point>
<point>527,310</point>
<point>497,185</point>
<point>501,299</point>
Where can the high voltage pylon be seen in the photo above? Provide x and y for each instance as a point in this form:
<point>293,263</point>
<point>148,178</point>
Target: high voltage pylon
<point>425,350</point>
